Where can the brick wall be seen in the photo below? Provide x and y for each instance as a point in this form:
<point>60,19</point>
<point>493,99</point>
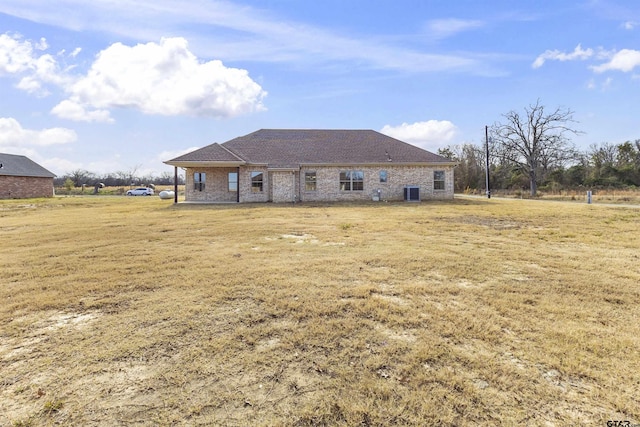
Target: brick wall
<point>283,186</point>
<point>328,183</point>
<point>24,187</point>
<point>247,194</point>
<point>216,188</point>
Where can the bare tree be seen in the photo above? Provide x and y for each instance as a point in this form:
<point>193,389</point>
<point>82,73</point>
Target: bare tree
<point>535,141</point>
<point>130,176</point>
<point>81,176</point>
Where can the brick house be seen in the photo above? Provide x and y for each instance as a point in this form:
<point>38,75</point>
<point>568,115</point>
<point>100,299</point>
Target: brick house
<point>286,165</point>
<point>22,178</point>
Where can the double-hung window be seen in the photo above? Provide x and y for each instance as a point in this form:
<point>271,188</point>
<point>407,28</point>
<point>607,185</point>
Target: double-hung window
<point>351,181</point>
<point>309,181</point>
<point>383,176</point>
<point>199,179</point>
<point>438,180</point>
<point>257,181</point>
<point>233,181</point>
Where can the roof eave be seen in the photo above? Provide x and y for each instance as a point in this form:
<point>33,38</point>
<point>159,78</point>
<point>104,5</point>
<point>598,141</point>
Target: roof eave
<point>340,164</point>
<point>203,164</point>
<point>283,168</point>
<point>30,175</point>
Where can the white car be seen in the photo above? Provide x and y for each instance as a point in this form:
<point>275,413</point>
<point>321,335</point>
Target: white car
<point>141,191</point>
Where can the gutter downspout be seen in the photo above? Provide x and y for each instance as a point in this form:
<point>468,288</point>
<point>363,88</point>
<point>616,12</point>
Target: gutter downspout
<point>238,185</point>
<point>300,183</point>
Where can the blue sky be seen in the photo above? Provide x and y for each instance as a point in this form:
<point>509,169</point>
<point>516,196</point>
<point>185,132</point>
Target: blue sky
<point>121,85</point>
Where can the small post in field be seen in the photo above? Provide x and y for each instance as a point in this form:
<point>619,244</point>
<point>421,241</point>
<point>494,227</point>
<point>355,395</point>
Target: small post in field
<point>589,197</point>
<point>486,139</point>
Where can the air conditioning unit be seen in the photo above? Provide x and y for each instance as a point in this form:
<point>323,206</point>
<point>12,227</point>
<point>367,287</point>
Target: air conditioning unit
<point>411,193</point>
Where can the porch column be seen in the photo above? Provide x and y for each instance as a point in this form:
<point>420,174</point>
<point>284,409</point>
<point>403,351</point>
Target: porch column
<point>175,185</point>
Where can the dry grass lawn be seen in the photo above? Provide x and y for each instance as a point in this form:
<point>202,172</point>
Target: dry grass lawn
<point>135,311</point>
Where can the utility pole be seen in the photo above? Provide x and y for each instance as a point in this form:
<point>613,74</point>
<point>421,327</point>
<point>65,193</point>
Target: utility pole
<point>486,138</point>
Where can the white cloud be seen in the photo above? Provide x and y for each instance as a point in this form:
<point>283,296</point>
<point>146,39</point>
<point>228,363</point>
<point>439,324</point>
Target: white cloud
<point>19,58</point>
<point>73,111</point>
<point>12,134</point>
<point>629,25</point>
<point>165,79</point>
<point>624,60</point>
<point>241,33</point>
<point>172,154</point>
<point>442,28</point>
<point>42,44</point>
<point>45,70</point>
<point>555,55</point>
<point>16,56</point>
<point>59,166</point>
<point>602,85</point>
<point>430,135</point>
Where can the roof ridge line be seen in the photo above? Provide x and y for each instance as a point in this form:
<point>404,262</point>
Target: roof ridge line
<point>231,152</point>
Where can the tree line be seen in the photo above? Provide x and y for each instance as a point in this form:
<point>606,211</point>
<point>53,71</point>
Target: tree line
<point>534,151</point>
<point>84,178</point>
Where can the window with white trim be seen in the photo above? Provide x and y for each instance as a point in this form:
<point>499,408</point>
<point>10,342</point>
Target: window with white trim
<point>233,181</point>
<point>257,181</point>
<point>309,181</point>
<point>438,180</point>
<point>351,181</point>
<point>199,179</point>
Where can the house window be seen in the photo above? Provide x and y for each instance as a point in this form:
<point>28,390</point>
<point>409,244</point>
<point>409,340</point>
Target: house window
<point>351,181</point>
<point>199,179</point>
<point>438,180</point>
<point>383,176</point>
<point>233,181</point>
<point>256,181</point>
<point>309,181</point>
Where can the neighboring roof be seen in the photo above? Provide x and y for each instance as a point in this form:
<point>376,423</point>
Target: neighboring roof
<point>283,148</point>
<point>13,165</point>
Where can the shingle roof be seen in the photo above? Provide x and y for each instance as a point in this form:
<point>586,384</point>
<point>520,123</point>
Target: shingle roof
<point>14,165</point>
<point>283,148</point>
<point>211,153</point>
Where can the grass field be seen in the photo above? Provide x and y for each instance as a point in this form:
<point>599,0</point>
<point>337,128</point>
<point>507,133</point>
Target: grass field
<point>598,195</point>
<point>135,311</point>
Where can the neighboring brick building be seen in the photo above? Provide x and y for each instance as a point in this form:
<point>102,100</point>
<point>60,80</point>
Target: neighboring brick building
<point>286,165</point>
<point>22,178</point>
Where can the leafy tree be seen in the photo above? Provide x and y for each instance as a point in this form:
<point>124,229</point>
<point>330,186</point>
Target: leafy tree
<point>536,141</point>
<point>68,184</point>
<point>614,165</point>
<point>448,152</point>
<point>576,175</point>
<point>628,163</point>
<point>470,172</point>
